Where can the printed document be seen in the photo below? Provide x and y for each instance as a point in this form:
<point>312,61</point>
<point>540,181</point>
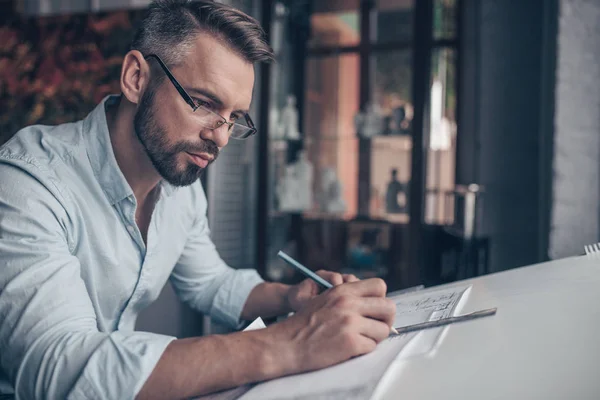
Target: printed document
<point>359,377</point>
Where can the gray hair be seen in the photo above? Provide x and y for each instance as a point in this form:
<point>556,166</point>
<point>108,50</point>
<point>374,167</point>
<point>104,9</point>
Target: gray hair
<point>170,27</point>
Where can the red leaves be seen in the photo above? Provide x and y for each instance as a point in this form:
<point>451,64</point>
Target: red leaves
<point>56,69</point>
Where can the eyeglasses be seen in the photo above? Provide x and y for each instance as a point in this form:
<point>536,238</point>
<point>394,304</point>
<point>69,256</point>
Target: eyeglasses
<point>210,119</point>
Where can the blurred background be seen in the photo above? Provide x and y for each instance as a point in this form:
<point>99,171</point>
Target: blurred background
<point>421,141</point>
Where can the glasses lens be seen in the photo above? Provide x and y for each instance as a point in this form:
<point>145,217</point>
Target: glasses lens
<point>210,119</point>
<point>240,131</point>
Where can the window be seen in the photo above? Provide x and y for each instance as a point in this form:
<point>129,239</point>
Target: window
<point>376,90</point>
<point>367,64</point>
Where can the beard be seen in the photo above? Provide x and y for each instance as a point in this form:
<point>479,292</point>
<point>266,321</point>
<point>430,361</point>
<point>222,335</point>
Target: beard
<point>162,153</point>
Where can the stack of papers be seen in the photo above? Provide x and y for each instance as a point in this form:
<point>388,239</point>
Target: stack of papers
<point>359,377</point>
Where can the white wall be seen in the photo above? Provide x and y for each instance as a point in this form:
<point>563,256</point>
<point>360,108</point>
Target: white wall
<point>576,164</point>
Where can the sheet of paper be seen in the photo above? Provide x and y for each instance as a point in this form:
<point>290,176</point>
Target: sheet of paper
<point>258,323</point>
<point>353,379</point>
<point>358,378</point>
<point>428,305</point>
<point>412,308</point>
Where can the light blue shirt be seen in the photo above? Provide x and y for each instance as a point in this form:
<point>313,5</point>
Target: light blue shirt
<point>75,272</point>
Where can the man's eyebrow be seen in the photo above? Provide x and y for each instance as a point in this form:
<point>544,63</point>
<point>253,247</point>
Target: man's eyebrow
<point>213,97</point>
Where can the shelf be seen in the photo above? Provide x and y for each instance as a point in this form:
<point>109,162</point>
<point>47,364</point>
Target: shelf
<point>324,138</point>
<point>311,215</point>
<point>278,213</point>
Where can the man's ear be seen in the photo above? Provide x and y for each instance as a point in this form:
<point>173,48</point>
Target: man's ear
<point>135,74</point>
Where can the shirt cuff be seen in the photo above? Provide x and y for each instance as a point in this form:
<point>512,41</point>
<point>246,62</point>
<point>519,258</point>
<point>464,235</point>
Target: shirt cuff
<point>231,297</point>
<point>134,355</point>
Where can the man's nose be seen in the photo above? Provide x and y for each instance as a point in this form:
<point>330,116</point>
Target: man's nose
<point>220,135</point>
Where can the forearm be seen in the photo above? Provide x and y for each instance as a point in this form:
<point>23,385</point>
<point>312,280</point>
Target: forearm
<point>267,300</point>
<point>344,322</point>
<point>196,366</point>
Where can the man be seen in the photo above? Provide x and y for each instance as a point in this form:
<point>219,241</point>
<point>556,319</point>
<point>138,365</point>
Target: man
<point>95,216</point>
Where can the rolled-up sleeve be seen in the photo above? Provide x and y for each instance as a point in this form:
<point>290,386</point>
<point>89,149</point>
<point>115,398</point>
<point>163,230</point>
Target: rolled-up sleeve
<point>50,345</point>
<point>205,282</point>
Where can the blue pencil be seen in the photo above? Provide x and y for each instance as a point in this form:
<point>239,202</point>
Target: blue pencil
<point>307,272</point>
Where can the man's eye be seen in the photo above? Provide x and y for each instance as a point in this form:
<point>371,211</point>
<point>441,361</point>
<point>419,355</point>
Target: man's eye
<point>201,103</point>
<point>234,117</point>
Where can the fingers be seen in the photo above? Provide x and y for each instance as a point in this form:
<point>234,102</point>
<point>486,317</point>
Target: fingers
<point>360,344</point>
<point>373,287</point>
<point>334,278</point>
<point>366,327</point>
<point>376,308</point>
<point>309,288</point>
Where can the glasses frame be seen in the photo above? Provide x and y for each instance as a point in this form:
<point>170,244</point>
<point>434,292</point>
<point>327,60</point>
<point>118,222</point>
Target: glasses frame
<point>188,99</point>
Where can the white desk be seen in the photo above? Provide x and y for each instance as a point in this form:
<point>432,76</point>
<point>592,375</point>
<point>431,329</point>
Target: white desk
<point>544,342</point>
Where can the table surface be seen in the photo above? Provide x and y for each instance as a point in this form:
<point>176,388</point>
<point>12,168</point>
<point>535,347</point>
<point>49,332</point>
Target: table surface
<point>542,344</point>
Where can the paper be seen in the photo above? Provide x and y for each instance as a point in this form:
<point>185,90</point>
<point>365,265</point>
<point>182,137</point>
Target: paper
<point>358,378</point>
<point>229,394</point>
<point>353,379</point>
<point>258,323</point>
<point>421,307</point>
<point>426,306</point>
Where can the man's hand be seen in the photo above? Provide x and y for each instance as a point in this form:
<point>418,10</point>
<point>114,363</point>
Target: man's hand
<point>343,322</point>
<point>299,295</point>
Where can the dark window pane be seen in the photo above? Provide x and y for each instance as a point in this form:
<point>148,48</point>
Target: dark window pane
<point>392,21</point>
<point>444,19</point>
<point>335,23</point>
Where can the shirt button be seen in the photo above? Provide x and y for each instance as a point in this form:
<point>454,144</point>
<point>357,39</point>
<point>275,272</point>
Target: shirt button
<point>130,228</point>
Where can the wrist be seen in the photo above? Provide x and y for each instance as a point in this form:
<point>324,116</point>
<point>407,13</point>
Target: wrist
<point>282,357</point>
<point>268,299</point>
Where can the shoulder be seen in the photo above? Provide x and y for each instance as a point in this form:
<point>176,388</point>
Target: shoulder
<point>30,197</point>
<point>25,182</point>
<point>31,160</point>
<point>44,145</point>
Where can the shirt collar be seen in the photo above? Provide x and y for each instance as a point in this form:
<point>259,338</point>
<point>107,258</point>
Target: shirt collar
<point>102,158</point>
<point>167,188</point>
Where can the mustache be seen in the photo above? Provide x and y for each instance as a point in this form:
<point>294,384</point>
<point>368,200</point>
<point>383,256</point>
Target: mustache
<point>206,146</point>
